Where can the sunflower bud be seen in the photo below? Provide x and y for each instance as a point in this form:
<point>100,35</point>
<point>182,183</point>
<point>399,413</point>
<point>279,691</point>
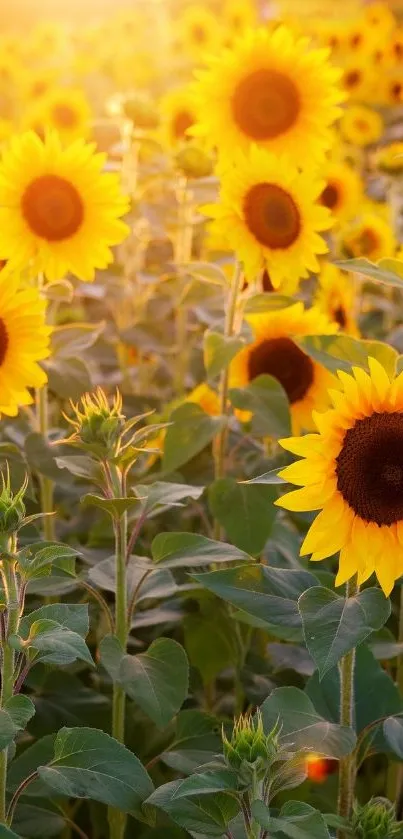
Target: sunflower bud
<point>194,162</point>
<point>141,111</point>
<point>12,507</point>
<point>96,423</point>
<point>250,751</point>
<point>375,820</point>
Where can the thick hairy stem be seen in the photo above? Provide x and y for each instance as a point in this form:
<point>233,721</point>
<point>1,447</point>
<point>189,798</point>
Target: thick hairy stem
<point>8,658</point>
<point>348,768</point>
<point>255,795</point>
<point>117,820</point>
<point>221,439</point>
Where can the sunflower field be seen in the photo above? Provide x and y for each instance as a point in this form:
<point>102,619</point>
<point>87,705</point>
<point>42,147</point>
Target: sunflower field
<point>201,419</point>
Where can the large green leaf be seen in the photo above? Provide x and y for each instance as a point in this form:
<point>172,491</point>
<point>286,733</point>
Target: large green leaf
<point>68,378</point>
<point>386,271</point>
<point>38,753</point>
<point>393,731</point>
<point>69,340</point>
<point>302,728</point>
<point>296,820</point>
<point>157,680</point>
<point>184,550</point>
<point>6,833</point>
<point>207,815</point>
<point>72,616</point>
<point>191,431</point>
<point>88,763</point>
<point>219,351</point>
<point>40,456</point>
<point>161,496</point>
<point>268,402</point>
<point>342,352</point>
<point>56,644</point>
<point>267,302</point>
<point>246,511</point>
<point>211,659</point>
<point>38,820</point>
<point>208,781</point>
<point>196,741</point>
<point>334,625</point>
<point>269,594</point>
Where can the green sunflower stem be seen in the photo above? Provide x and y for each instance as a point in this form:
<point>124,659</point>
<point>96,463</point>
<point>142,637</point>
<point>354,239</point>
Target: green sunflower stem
<point>348,767</point>
<point>46,484</point>
<point>220,442</point>
<point>117,819</point>
<point>9,580</point>
<point>183,252</point>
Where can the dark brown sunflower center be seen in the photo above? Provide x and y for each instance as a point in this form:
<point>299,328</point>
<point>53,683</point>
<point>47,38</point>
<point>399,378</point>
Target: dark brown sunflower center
<point>64,115</point>
<point>272,216</point>
<point>267,284</point>
<point>3,341</point>
<point>367,242</point>
<point>266,104</point>
<point>370,468</point>
<point>339,315</point>
<point>330,196</point>
<point>182,121</point>
<point>352,79</point>
<point>199,34</point>
<point>281,358</point>
<point>398,50</point>
<point>52,207</point>
<point>397,90</point>
<point>361,124</point>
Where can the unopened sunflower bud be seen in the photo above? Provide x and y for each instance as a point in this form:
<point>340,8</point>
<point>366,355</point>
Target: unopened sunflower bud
<point>141,111</point>
<point>193,162</point>
<point>250,751</point>
<point>375,820</point>
<point>12,507</point>
<point>96,423</point>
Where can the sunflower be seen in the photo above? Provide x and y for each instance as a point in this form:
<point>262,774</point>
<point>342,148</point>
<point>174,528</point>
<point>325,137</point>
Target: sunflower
<point>64,110</point>
<point>370,236</point>
<point>336,297</point>
<point>24,341</point>
<point>199,32</point>
<point>342,192</point>
<point>390,158</point>
<point>263,283</point>
<point>361,126</point>
<point>358,79</point>
<point>178,115</point>
<point>238,15</point>
<point>379,16</point>
<point>389,91</point>
<point>273,352</point>
<point>37,83</point>
<point>272,90</point>
<point>269,215</point>
<point>57,208</point>
<point>353,473</point>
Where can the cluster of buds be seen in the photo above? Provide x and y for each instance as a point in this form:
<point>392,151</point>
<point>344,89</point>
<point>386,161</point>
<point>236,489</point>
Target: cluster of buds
<point>97,425</point>
<point>12,507</point>
<point>251,752</point>
<point>375,820</point>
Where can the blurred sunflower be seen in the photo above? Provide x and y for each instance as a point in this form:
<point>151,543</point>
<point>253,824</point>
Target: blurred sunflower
<point>263,283</point>
<point>361,126</point>
<point>57,208</point>
<point>389,90</point>
<point>390,158</point>
<point>380,17</point>
<point>336,297</point>
<point>342,192</point>
<point>198,30</point>
<point>238,15</point>
<point>64,110</point>
<point>269,214</point>
<point>270,89</point>
<point>370,236</point>
<point>395,46</point>
<point>357,79</point>
<point>178,114</point>
<point>274,353</point>
<point>37,83</point>
<point>24,341</point>
<point>353,472</point>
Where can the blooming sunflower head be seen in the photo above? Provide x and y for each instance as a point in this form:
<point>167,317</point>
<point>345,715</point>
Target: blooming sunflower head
<point>336,297</point>
<point>361,126</point>
<point>269,214</point>
<point>24,342</point>
<point>57,208</point>
<point>274,352</point>
<point>178,111</point>
<point>352,471</point>
<point>342,192</point>
<point>199,31</point>
<point>270,89</point>
<point>63,110</point>
<point>370,236</point>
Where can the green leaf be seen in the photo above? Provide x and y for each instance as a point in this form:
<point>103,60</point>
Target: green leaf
<point>6,833</point>
<point>302,728</point>
<point>39,820</point>
<point>21,710</point>
<point>393,731</point>
<point>210,659</point>
<point>267,302</point>
<point>268,403</point>
<point>342,352</point>
<point>40,456</point>
<point>56,644</point>
<point>334,625</point>
<point>72,616</point>
<point>386,271</point>
<point>208,782</point>
<point>191,431</point>
<point>70,340</point>
<point>182,550</point>
<point>41,751</point>
<point>116,507</point>
<point>90,764</point>
<point>68,378</point>
<point>38,563</point>
<point>296,820</point>
<point>196,741</point>
<point>206,272</point>
<point>162,495</point>
<point>207,815</point>
<point>143,578</point>
<point>269,594</point>
<point>157,680</point>
<point>246,512</point>
<point>271,477</point>
<point>111,654</point>
<point>219,351</point>
<point>80,465</point>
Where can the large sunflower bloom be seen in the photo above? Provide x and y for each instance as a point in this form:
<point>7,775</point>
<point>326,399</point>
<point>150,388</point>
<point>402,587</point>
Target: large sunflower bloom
<point>270,89</point>
<point>353,473</point>
<point>275,353</point>
<point>269,214</point>
<point>57,208</point>
<point>24,341</point>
